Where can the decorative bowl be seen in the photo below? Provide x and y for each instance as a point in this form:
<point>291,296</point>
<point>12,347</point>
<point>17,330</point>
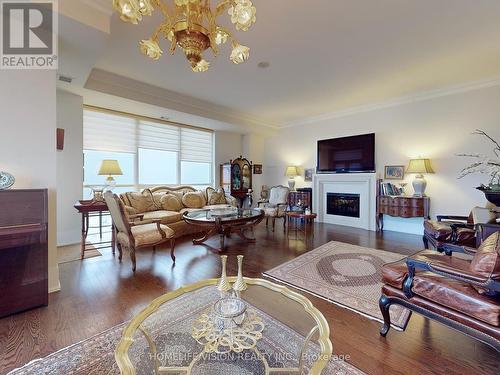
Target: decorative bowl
<point>491,196</point>
<point>229,312</point>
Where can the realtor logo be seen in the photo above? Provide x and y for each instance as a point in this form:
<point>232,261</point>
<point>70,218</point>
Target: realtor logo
<point>29,34</point>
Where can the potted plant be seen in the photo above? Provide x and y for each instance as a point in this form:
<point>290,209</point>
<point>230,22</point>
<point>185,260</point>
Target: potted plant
<point>488,166</point>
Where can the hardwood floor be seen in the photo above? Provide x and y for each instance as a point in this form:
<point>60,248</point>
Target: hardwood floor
<point>100,292</point>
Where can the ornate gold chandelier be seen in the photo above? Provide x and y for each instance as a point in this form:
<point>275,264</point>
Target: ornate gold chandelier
<point>191,25</point>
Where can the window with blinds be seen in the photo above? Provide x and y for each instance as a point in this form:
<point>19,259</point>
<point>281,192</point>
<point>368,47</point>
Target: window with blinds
<point>149,153</point>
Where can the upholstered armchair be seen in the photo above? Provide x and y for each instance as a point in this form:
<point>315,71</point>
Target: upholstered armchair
<point>459,230</point>
<point>134,233</point>
<point>275,207</point>
<point>460,292</point>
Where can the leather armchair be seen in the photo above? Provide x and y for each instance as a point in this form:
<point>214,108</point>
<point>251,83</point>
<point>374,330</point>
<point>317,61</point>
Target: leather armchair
<point>460,230</point>
<point>460,292</point>
<point>275,207</point>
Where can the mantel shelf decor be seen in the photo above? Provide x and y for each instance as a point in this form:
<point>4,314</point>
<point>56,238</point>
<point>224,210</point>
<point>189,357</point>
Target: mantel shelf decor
<point>192,26</point>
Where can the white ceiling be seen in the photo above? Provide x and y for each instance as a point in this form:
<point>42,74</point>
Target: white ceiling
<point>327,55</point>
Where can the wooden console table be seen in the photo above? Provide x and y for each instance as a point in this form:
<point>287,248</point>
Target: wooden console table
<point>401,206</point>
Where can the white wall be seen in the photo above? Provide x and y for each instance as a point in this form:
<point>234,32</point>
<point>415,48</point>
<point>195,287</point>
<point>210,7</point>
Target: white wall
<point>28,140</point>
<point>437,128</point>
<point>69,167</point>
<point>228,146</point>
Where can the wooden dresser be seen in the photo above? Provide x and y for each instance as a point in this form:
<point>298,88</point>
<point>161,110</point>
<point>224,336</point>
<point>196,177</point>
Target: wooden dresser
<point>401,206</point>
<point>23,250</point>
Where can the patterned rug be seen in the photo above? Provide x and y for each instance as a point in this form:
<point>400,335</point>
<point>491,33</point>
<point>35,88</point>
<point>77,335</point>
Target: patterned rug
<point>170,328</point>
<point>347,275</point>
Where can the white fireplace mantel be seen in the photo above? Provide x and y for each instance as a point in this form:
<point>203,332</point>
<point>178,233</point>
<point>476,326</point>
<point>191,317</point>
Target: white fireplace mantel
<point>363,184</point>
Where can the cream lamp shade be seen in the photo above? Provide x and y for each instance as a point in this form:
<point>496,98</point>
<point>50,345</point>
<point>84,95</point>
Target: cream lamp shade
<point>110,168</point>
<point>291,172</point>
<point>418,167</point>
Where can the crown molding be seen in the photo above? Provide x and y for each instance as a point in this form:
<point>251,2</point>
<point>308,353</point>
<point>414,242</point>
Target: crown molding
<point>413,98</point>
<point>114,84</point>
<point>93,13</point>
<point>103,6</point>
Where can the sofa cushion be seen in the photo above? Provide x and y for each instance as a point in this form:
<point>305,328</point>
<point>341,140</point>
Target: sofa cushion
<point>166,217</point>
<point>486,261</point>
<point>148,234</point>
<point>215,196</point>
<point>194,199</point>
<point>458,296</point>
<point>141,201</point>
<point>171,202</point>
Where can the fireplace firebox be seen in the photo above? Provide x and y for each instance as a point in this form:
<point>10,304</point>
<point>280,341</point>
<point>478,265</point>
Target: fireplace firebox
<point>342,204</point>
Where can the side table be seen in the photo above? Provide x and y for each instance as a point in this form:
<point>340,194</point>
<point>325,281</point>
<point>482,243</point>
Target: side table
<point>301,222</point>
<point>95,208</point>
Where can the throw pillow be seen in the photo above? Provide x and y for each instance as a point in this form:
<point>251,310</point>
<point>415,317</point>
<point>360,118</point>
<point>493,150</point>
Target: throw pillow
<point>171,202</point>
<point>194,199</point>
<point>216,196</point>
<point>142,201</point>
<point>486,261</point>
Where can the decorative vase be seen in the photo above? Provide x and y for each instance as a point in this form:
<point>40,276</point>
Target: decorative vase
<point>240,284</point>
<point>223,285</point>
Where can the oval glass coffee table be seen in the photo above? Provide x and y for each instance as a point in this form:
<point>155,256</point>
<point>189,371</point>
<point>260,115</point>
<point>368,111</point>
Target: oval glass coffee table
<point>159,340</point>
<point>224,222</point>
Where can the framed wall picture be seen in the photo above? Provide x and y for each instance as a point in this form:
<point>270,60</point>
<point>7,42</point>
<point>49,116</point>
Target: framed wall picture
<point>257,169</point>
<point>394,172</point>
<point>308,174</point>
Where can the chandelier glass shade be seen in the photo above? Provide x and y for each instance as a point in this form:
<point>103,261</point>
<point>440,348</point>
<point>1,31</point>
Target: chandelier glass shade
<point>191,25</point>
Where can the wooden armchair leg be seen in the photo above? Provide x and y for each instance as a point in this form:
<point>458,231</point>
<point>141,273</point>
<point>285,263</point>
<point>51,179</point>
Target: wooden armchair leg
<point>132,258</point>
<point>284,223</point>
<point>384,304</point>
<point>274,220</point>
<point>172,249</point>
<point>120,251</point>
<point>267,220</point>
<point>426,242</point>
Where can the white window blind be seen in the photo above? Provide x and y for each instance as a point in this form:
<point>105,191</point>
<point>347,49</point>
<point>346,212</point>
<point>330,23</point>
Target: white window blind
<point>158,136</point>
<point>108,132</point>
<point>182,154</point>
<point>196,145</point>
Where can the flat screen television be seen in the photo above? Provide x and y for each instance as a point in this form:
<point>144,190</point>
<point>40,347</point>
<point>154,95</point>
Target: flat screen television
<point>347,154</point>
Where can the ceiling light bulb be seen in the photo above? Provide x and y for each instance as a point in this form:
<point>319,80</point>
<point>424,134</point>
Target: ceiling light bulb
<point>220,36</point>
<point>240,53</point>
<point>202,66</point>
<point>151,49</point>
<point>242,14</point>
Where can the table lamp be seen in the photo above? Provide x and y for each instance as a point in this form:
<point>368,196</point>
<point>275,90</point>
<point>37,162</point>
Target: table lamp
<point>291,172</point>
<point>419,166</point>
<point>110,168</point>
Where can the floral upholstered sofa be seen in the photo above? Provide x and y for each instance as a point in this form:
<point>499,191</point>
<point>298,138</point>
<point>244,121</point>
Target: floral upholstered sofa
<point>169,204</point>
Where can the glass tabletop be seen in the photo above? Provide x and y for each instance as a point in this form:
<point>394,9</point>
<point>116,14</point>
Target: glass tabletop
<point>294,335</point>
<point>224,214</point>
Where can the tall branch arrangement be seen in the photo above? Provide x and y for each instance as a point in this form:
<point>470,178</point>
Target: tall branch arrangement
<point>484,164</point>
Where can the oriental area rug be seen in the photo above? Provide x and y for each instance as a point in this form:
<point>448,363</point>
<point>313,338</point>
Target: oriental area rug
<point>347,275</point>
<point>170,328</point>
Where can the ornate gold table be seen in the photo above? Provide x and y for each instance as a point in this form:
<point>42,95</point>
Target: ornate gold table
<point>145,343</point>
